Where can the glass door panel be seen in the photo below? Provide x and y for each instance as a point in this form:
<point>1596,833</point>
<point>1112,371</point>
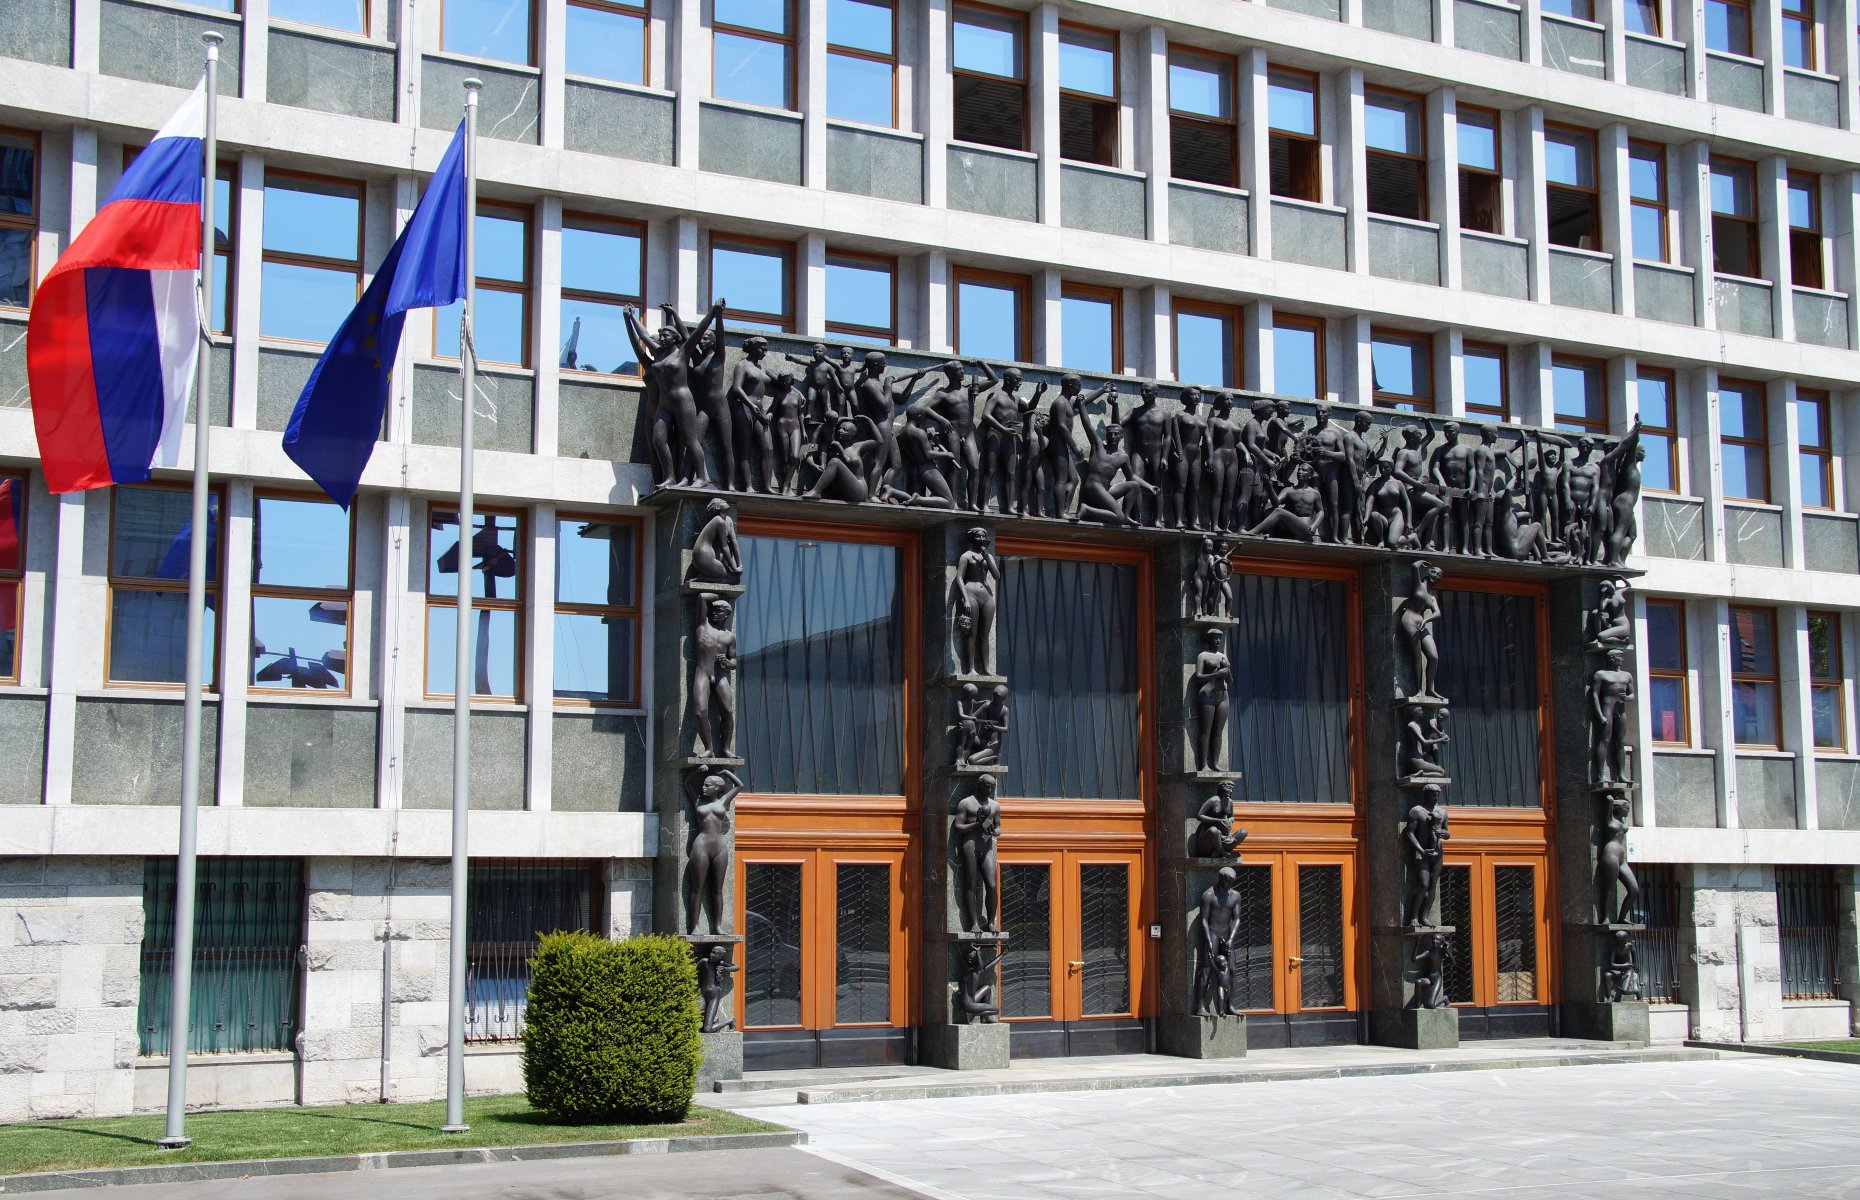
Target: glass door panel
<point>1104,939</point>
<point>1514,919</point>
<point>1254,973</point>
<point>1027,918</point>
<point>1456,910</point>
<point>862,944</point>
<point>1322,951</point>
<point>772,945</point>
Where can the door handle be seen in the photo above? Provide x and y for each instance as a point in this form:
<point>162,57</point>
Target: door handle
<point>1293,961</point>
<point>1073,967</point>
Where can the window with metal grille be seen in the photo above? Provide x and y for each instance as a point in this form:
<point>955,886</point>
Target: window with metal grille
<point>1320,936</point>
<point>862,944</point>
<point>1656,951</point>
<point>1104,939</point>
<point>1290,725</point>
<point>1807,913</point>
<point>1514,915</point>
<point>771,945</point>
<point>1488,664</point>
<point>1253,975</point>
<point>512,902</point>
<point>247,971</point>
<point>1456,912</point>
<point>1027,960</point>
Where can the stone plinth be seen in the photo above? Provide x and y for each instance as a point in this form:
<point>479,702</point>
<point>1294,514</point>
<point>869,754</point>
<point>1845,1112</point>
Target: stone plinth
<point>1190,1036</point>
<point>976,1047</point>
<point>1608,1021</point>
<point>723,1055</point>
<point>1416,1028</point>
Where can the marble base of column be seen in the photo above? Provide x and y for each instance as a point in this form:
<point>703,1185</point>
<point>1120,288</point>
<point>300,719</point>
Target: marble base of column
<point>723,1055</point>
<point>1184,1035</point>
<point>976,1047</point>
<point>1611,1021</point>
<point>1415,1028</point>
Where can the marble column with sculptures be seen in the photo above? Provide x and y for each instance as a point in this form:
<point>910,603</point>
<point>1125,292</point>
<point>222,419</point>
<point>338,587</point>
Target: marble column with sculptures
<point>967,711</point>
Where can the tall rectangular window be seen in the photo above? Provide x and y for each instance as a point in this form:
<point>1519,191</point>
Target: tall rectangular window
<point>1482,179</point>
<point>1088,95</point>
<point>1801,34</point>
<point>603,271</point>
<point>1659,434</point>
<point>1827,681</point>
<point>1643,17</point>
<point>1571,195</point>
<point>1298,356</point>
<point>992,318</point>
<point>1488,386</point>
<point>1295,140</point>
<point>1814,448</point>
<point>151,545</point>
<point>1806,257</point>
<point>1207,344</point>
<point>19,216</point>
<point>1735,247</point>
<point>501,303</point>
<point>312,269</point>
<point>1204,129</point>
<point>862,297</point>
<point>756,278</point>
<point>1489,665</point>
<point>752,51</point>
<point>597,609</point>
<point>1727,26</point>
<point>862,61</point>
<point>1744,440</point>
<point>1667,677</point>
<point>302,585</point>
<point>1091,328</point>
<point>12,571</point>
<point>1647,197</point>
<point>1395,153</point>
<point>1403,368</point>
<point>496,29</point>
<point>1808,926</point>
<point>496,562</point>
<point>351,16</point>
<point>1579,400</point>
<point>1755,694</point>
<point>606,39</point>
<point>1290,727</point>
<point>988,58</point>
<point>510,900</point>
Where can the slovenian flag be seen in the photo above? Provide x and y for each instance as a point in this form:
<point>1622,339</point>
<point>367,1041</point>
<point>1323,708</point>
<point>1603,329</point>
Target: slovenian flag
<point>115,327</point>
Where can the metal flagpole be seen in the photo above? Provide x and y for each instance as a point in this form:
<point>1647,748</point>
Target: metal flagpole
<point>462,675</point>
<point>182,995</point>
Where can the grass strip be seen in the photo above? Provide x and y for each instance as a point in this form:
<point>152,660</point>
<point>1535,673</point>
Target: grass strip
<point>1838,1046</point>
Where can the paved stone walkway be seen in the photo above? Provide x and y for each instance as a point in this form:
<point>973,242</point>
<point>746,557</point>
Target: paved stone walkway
<point>1739,1127</point>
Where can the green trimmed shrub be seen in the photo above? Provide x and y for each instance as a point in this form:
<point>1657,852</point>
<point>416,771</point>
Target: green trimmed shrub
<point>611,1029</point>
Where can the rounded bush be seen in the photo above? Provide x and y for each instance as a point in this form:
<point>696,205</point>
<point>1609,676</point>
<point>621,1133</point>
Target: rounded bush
<point>611,1029</point>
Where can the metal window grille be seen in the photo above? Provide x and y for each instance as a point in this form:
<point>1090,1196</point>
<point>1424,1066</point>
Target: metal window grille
<point>1253,963</point>
<point>1027,915</point>
<point>1320,936</point>
<point>1515,914</point>
<point>248,963</point>
<point>1456,911</point>
<point>1806,904</point>
<point>1657,952</point>
<point>511,902</point>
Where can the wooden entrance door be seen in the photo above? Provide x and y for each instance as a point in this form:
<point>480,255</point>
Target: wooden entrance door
<point>1074,975</point>
<point>1498,972</point>
<point>1297,971</point>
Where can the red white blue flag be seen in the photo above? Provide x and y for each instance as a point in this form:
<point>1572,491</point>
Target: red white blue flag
<point>115,327</point>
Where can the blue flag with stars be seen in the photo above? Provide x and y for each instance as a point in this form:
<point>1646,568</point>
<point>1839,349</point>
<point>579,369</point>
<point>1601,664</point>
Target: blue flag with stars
<point>337,420</point>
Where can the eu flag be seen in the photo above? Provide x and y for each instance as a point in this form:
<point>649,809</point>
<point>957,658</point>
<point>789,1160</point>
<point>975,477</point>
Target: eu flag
<point>338,418</point>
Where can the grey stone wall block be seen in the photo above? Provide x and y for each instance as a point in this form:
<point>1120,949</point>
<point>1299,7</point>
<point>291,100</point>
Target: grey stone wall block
<point>282,375</point>
<point>503,414</point>
<point>1331,10</point>
<point>28,991</point>
<point>47,926</point>
<point>1657,66</point>
<point>329,75</point>
<point>1829,543</point>
<point>39,31</point>
<point>14,392</point>
<point>1400,250</point>
<point>997,185</point>
<point>507,107</point>
<point>1837,793</point>
<point>1743,306</point>
<point>1307,234</point>
<point>1812,98</point>
<point>22,745</point>
<point>162,45</point>
<point>219,411</point>
<point>600,420</point>
<point>1494,267</point>
<point>1581,280</point>
<point>301,756</point>
<point>1101,201</point>
<point>1209,219</point>
<point>499,759</point>
<point>1820,318</point>
<point>1765,798</point>
<point>1673,527</point>
<point>1663,294</point>
<point>1753,536</point>
<point>133,752</point>
<point>1486,28</point>
<point>1409,18</point>
<point>871,162</point>
<point>758,145</point>
<point>618,122</point>
<point>1577,48</point>
<point>1734,81</point>
<point>600,763</point>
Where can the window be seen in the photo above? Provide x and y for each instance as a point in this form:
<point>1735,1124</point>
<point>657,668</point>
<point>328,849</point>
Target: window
<point>1578,400</point>
<point>1294,138</point>
<point>757,279</point>
<point>862,61</point>
<point>1204,136</point>
<point>501,302</point>
<point>1482,181</point>
<point>498,29</point>
<point>1734,219</point>
<point>1581,10</point>
<point>248,927</point>
<point>151,545</point>
<point>1298,356</point>
<point>1800,33</point>
<point>1091,329</point>
<point>1570,193</point>
<point>508,901</point>
<point>312,270</point>
<point>1808,924</point>
<point>1395,154</point>
<point>603,270</point>
<point>1743,438</point>
<point>302,579</point>
<point>1207,344</point>
<point>1827,706</point>
<point>1647,199</point>
<point>1727,26</point>
<point>1805,253</point>
<point>991,315</point>
<point>348,15</point>
<point>12,571</point>
<point>1488,389</point>
<point>1659,435</point>
<point>1088,95</point>
<point>862,297</point>
<point>597,609</point>
<point>1290,727</point>
<point>1667,680</point>
<point>1643,16</point>
<point>1814,448</point>
<point>19,217</point>
<point>496,568</point>
<point>990,67</point>
<point>1402,365</point>
<point>1754,693</point>
<point>752,52</point>
<point>605,39</point>
<point>1489,665</point>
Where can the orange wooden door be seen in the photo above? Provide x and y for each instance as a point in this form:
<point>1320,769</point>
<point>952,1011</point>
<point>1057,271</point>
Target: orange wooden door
<point>1078,949</point>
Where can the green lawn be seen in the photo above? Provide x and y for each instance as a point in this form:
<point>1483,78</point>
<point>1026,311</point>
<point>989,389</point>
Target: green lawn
<point>1839,1046</point>
<point>295,1132</point>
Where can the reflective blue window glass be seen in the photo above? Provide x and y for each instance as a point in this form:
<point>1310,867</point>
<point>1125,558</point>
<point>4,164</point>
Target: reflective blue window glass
<point>755,280</point>
<point>1088,331</point>
<point>605,43</point>
<point>860,25</point>
<point>350,15</point>
<point>1295,357</point>
<point>151,547</point>
<point>859,297</point>
<point>597,610</point>
<point>989,318</point>
<point>311,273</point>
<point>1289,722</point>
<point>1204,348</point>
<point>1488,664</point>
<point>498,29</point>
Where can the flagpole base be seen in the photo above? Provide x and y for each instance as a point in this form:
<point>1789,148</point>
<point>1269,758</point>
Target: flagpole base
<point>174,1143</point>
<point>455,1129</point>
